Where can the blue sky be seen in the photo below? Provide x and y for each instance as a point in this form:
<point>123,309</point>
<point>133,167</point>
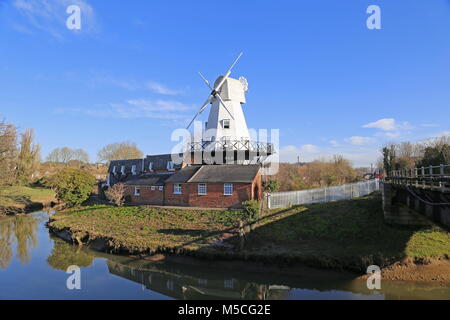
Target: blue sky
<point>315,71</point>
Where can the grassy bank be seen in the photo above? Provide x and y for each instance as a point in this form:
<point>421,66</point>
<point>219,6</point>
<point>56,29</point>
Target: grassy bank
<point>21,199</point>
<point>142,229</point>
<point>347,234</point>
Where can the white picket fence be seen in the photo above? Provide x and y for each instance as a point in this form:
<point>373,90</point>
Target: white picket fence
<point>346,191</point>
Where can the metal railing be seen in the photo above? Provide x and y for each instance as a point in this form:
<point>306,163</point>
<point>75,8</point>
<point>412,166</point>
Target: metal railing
<point>242,145</point>
<point>430,176</point>
<point>346,191</point>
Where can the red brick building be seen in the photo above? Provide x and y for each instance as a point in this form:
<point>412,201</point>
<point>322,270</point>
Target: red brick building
<point>158,182</point>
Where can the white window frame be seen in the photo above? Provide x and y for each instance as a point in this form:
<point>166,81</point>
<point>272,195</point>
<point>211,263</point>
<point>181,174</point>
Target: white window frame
<point>170,166</point>
<point>153,188</point>
<point>227,189</point>
<point>114,170</point>
<point>161,188</point>
<point>133,169</point>
<point>137,191</point>
<point>224,121</point>
<point>150,166</point>
<point>177,188</point>
<point>200,187</point>
<point>122,169</point>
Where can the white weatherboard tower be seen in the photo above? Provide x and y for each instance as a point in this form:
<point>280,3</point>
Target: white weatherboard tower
<point>226,120</point>
<point>226,129</point>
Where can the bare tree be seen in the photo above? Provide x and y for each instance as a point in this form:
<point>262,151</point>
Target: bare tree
<point>119,151</point>
<point>116,194</point>
<point>28,158</point>
<point>8,152</point>
<point>65,155</point>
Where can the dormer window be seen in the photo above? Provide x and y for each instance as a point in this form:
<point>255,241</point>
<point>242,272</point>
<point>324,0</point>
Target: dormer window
<point>122,169</point>
<point>114,170</point>
<point>226,123</point>
<point>150,166</point>
<point>133,169</point>
<point>170,166</point>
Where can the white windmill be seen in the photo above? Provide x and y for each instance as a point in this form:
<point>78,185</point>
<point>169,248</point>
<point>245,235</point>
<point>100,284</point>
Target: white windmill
<point>226,121</point>
<point>226,127</point>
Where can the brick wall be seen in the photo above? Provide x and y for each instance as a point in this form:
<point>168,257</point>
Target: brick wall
<point>214,197</point>
<point>148,196</point>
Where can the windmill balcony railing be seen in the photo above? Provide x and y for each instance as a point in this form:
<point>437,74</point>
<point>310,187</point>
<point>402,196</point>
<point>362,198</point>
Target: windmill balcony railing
<point>430,176</point>
<point>239,145</point>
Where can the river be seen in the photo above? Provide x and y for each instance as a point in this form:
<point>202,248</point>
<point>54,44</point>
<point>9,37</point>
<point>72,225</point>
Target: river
<point>33,265</point>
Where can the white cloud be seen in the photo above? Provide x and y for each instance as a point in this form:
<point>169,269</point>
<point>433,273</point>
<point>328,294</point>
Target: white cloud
<point>130,84</point>
<point>359,156</point>
<point>383,124</point>
<point>430,125</point>
<point>358,140</point>
<point>137,108</point>
<point>50,16</point>
<point>158,105</point>
<point>334,143</point>
<point>309,148</point>
<point>161,89</point>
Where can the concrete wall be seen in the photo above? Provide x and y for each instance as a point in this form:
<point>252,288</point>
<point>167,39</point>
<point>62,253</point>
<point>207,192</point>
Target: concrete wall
<point>401,207</point>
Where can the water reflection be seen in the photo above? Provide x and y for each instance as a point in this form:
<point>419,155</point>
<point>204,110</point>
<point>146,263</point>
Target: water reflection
<point>187,286</point>
<point>19,231</point>
<point>175,277</point>
<point>64,255</point>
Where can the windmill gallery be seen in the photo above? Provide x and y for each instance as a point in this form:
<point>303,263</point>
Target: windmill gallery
<point>220,169</point>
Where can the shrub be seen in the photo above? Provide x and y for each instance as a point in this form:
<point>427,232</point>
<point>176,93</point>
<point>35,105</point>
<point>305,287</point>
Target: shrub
<point>271,185</point>
<point>250,210</point>
<point>116,194</point>
<point>72,186</point>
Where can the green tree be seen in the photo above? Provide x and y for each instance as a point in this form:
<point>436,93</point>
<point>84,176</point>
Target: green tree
<point>435,156</point>
<point>271,185</point>
<point>119,151</point>
<point>389,158</point>
<point>28,157</point>
<point>72,186</point>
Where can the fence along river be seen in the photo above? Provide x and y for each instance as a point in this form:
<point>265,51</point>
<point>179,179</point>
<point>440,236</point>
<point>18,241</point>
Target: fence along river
<point>347,191</point>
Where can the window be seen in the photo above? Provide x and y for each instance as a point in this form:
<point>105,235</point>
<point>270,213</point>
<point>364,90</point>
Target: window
<point>122,169</point>
<point>133,169</point>
<point>226,123</point>
<point>161,188</point>
<point>137,191</point>
<point>177,189</point>
<point>170,166</point>
<point>153,188</point>
<point>114,170</point>
<point>202,188</point>
<point>228,189</point>
<point>228,284</point>
<point>150,166</point>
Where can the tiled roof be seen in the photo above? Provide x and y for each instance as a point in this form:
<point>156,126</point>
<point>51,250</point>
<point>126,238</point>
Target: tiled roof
<point>225,173</point>
<point>234,173</point>
<point>183,175</point>
<point>159,162</point>
<point>148,179</point>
